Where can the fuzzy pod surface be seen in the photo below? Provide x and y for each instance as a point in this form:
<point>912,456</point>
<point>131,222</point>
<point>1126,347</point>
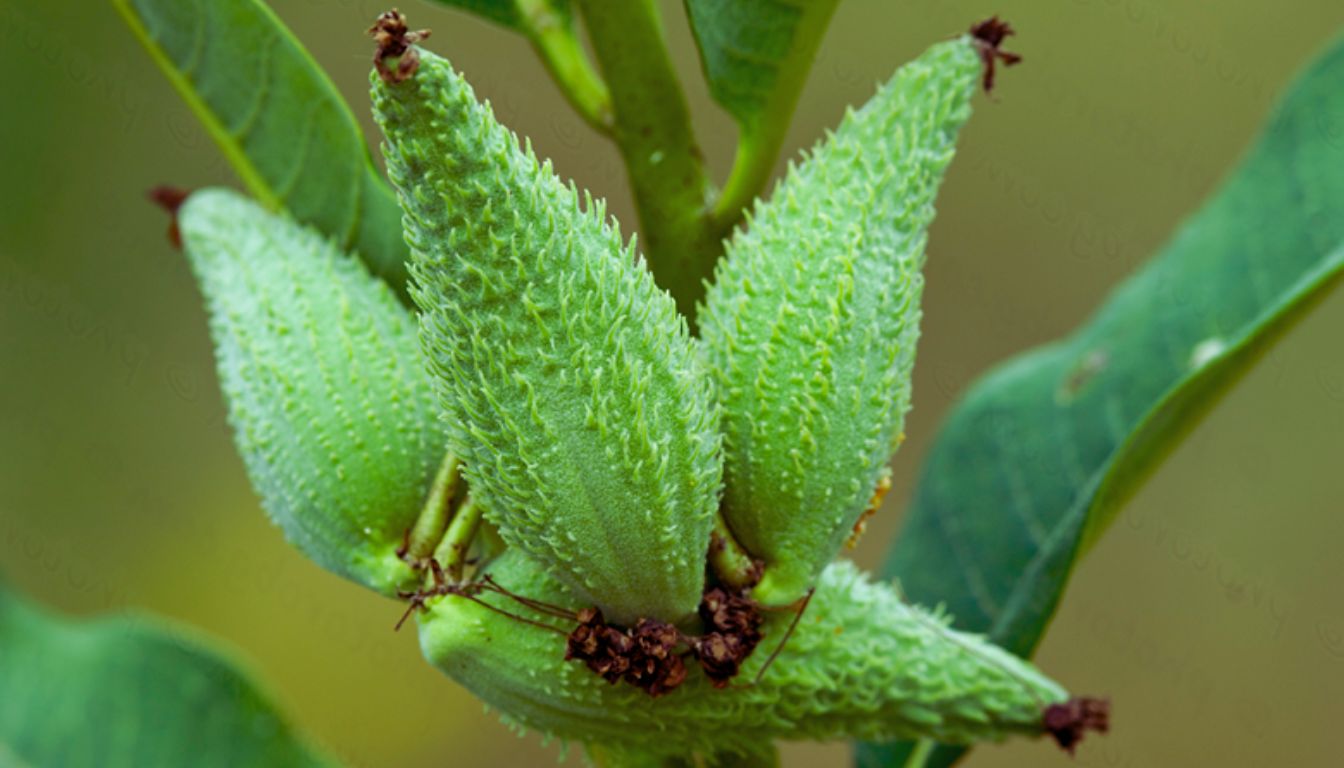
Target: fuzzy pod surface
<point>810,326</point>
<point>860,664</point>
<point>331,406</point>
<point>583,414</point>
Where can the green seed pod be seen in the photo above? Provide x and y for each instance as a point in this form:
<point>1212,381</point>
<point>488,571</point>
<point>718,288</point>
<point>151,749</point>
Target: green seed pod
<point>811,324</point>
<point>584,416</point>
<point>860,664</point>
<point>331,406</point>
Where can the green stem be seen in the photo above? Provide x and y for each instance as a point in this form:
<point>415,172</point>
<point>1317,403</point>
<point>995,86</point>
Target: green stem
<point>452,551</point>
<point>752,167</point>
<point>920,754</point>
<point>762,133</point>
<point>653,132</point>
<point>729,560</point>
<point>559,49</point>
<point>433,519</point>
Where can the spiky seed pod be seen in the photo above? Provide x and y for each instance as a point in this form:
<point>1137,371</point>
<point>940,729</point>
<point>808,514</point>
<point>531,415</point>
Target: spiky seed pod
<point>331,406</point>
<point>583,414</point>
<point>861,664</point>
<point>810,326</point>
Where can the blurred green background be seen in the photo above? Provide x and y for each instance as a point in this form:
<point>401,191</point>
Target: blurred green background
<point>1212,613</point>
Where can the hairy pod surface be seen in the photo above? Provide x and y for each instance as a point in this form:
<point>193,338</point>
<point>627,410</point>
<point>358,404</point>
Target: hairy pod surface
<point>811,324</point>
<point>861,663</point>
<point>583,414</point>
<point>331,406</point>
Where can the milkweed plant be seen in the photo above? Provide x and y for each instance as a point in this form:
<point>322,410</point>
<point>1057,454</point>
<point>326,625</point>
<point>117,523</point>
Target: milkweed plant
<point>611,477</point>
<point>608,526</point>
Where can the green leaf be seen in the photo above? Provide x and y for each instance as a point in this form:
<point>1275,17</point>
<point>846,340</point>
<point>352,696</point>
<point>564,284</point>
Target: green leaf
<point>1036,461</point>
<point>756,55</point>
<point>129,691</point>
<point>330,401</point>
<point>278,119</point>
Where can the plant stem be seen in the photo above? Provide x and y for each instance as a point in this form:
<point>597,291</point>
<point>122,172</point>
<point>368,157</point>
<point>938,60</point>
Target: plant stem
<point>662,159</point>
<point>729,560</point>
<point>433,519</point>
<point>762,132</point>
<point>452,551</point>
<point>752,165</point>
<point>559,49</point>
<point>920,754</point>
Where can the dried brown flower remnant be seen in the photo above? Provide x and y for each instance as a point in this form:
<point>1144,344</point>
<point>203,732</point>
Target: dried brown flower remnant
<point>733,630</point>
<point>645,657</point>
<point>394,42</point>
<point>721,656</point>
<point>723,611</point>
<point>1068,722</point>
<point>651,656</point>
<point>989,35</point>
<point>600,646</point>
<point>656,667</point>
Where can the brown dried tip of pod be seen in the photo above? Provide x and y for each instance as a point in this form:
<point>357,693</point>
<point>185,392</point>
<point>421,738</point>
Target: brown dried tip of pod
<point>170,199</point>
<point>394,43</point>
<point>1068,722</point>
<point>988,35</point>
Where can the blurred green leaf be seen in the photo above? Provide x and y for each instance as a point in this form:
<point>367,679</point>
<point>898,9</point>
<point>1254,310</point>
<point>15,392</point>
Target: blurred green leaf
<point>129,691</point>
<point>1041,454</point>
<point>279,120</point>
<point>756,55</point>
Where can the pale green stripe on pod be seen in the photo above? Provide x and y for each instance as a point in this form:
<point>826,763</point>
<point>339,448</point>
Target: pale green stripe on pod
<point>811,324</point>
<point>332,409</point>
<point>861,663</point>
<point>584,416</point>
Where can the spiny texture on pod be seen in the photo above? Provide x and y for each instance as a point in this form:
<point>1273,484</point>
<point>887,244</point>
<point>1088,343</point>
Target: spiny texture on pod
<point>331,406</point>
<point>811,324</point>
<point>861,663</point>
<point>583,415</point>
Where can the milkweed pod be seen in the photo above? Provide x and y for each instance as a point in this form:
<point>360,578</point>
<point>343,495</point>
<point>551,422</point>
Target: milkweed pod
<point>810,326</point>
<point>582,413</point>
<point>860,664</point>
<point>330,403</point>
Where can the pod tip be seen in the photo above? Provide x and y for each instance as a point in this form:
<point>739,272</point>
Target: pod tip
<point>170,199</point>
<point>1069,721</point>
<point>394,58</point>
<point>988,36</point>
